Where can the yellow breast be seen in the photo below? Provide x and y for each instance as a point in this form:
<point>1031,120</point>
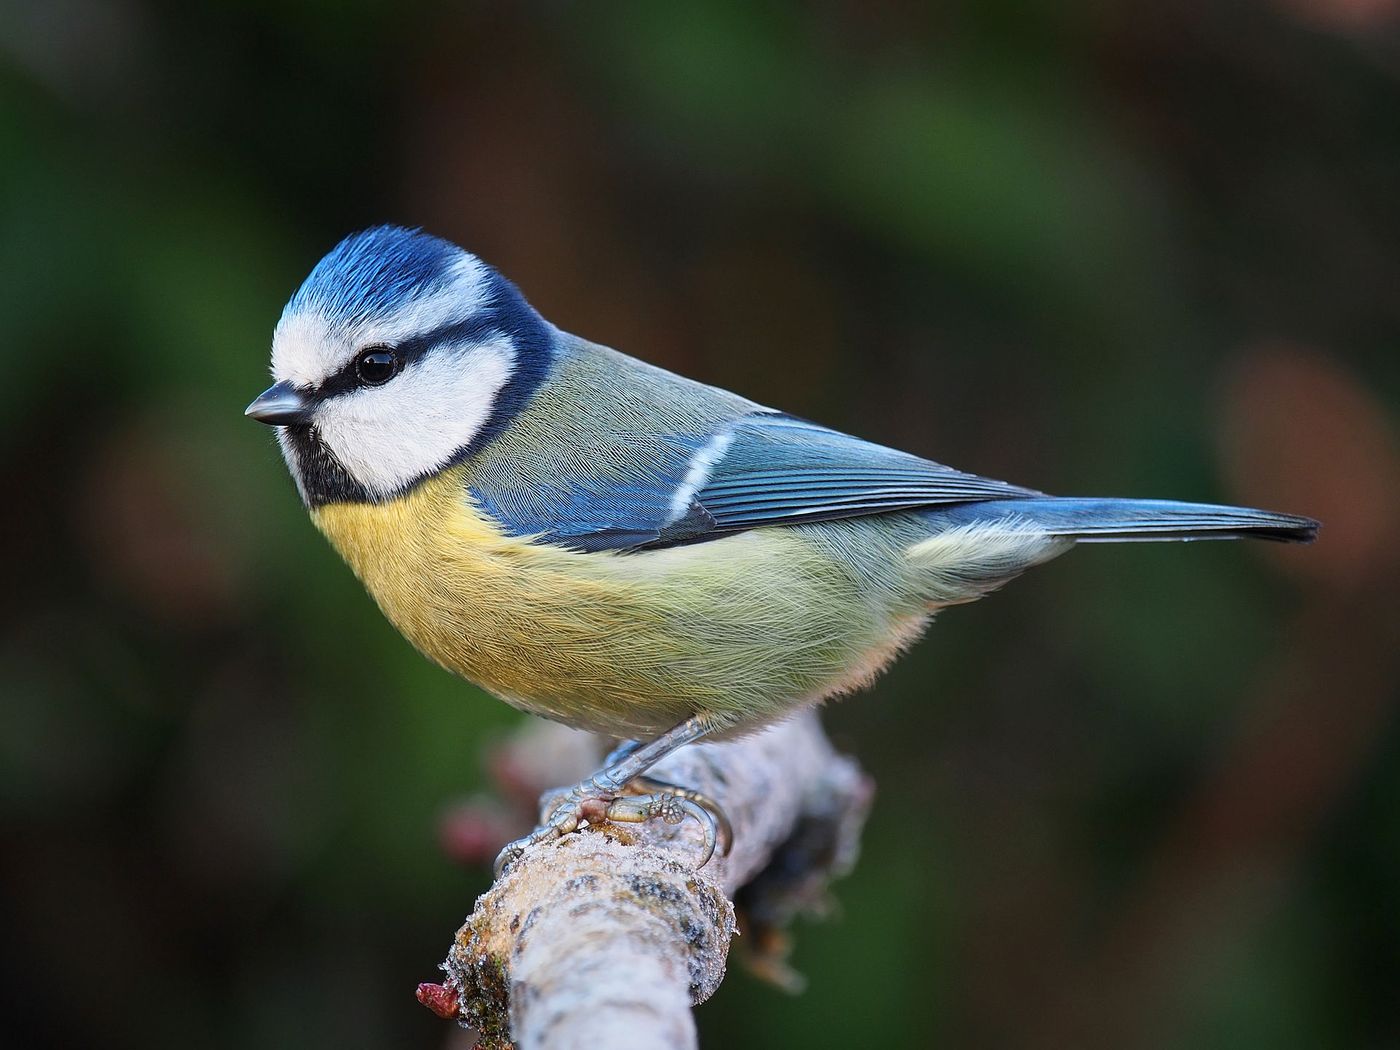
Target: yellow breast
<point>629,644</point>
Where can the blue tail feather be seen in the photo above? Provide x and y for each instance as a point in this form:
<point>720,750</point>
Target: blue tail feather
<point>1106,520</point>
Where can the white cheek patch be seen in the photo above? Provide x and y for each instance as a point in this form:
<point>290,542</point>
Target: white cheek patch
<point>308,347</point>
<point>389,436</point>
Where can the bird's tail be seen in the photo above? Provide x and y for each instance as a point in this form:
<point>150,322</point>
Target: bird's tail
<point>1116,520</point>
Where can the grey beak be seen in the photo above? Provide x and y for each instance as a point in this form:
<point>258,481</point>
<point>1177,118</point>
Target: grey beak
<point>280,406</point>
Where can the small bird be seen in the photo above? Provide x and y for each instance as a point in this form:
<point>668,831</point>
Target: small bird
<point>616,547</point>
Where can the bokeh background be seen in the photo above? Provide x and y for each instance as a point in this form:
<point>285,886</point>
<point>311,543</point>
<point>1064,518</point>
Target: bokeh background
<point>1148,796</point>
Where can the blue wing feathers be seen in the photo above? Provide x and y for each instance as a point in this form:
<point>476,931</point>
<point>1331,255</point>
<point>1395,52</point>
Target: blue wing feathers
<point>588,508</point>
<point>1091,519</point>
<point>774,469</point>
<point>629,492</point>
<point>783,469</point>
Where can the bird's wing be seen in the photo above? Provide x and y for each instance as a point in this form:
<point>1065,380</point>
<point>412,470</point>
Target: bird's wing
<point>776,469</point>
<point>761,469</point>
<point>595,490</point>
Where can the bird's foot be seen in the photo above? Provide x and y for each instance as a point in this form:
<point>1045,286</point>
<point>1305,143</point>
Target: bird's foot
<point>674,805</point>
<point>595,801</point>
<point>717,821</point>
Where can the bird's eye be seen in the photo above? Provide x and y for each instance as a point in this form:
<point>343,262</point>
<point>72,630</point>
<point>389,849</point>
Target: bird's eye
<point>377,365</point>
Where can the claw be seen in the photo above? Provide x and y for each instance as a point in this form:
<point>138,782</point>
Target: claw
<point>672,807</point>
<point>563,820</point>
<point>510,853</point>
<point>724,830</point>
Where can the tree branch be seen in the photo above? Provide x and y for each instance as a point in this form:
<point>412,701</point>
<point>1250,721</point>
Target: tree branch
<point>608,937</point>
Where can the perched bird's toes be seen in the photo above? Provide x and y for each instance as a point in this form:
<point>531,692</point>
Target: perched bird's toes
<point>551,802</point>
<point>724,831</point>
<point>620,792</point>
<point>563,819</point>
<point>671,808</point>
<point>511,852</point>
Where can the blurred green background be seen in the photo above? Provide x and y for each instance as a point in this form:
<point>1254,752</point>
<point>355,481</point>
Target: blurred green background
<point>1149,796</point>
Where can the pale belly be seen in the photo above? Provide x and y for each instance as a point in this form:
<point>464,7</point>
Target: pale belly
<point>744,629</point>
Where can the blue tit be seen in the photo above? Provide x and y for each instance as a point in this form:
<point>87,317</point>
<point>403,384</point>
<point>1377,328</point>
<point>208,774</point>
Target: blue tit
<point>619,548</point>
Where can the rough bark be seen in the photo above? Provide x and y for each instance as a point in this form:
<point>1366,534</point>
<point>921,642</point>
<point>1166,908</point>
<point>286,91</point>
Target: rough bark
<point>608,937</point>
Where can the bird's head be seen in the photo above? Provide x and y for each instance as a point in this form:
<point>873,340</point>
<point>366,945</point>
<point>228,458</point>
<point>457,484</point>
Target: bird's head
<point>399,355</point>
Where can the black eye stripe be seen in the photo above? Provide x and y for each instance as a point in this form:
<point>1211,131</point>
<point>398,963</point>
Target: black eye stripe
<point>475,329</point>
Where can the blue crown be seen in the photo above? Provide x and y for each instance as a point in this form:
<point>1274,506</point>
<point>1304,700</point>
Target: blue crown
<point>374,271</point>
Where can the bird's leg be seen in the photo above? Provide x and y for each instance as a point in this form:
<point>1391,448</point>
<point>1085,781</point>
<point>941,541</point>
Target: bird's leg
<point>621,751</point>
<point>626,763</point>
